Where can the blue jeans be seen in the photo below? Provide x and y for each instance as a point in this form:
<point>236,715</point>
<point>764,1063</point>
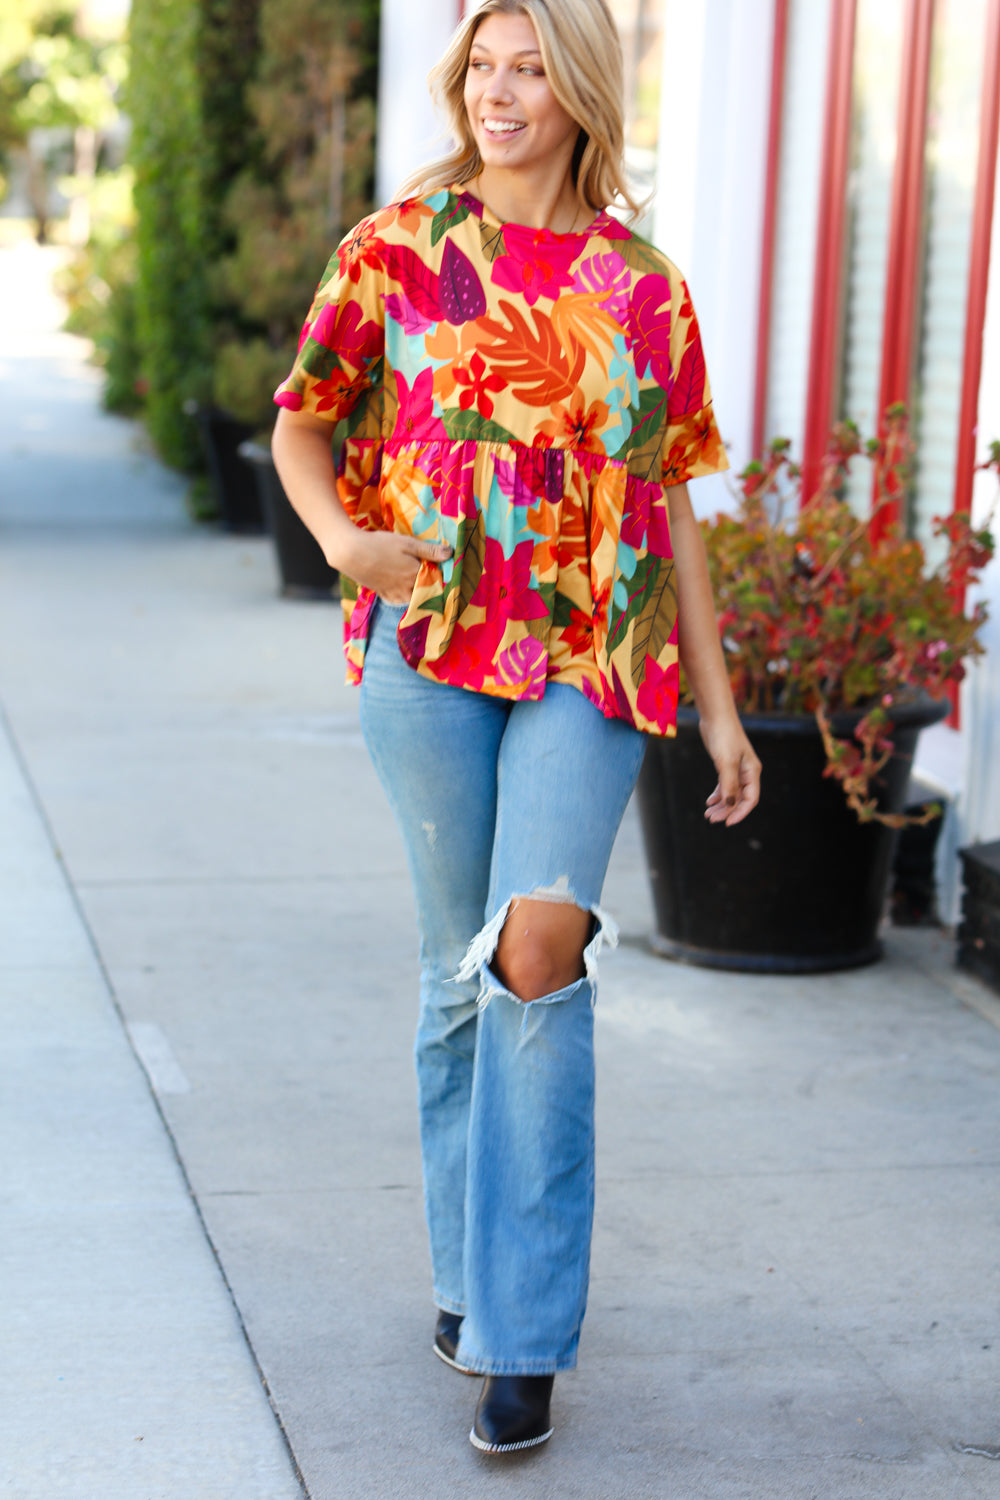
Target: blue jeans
<point>497,800</point>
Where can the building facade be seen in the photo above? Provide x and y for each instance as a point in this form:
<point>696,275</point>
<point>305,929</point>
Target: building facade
<point>824,172</point>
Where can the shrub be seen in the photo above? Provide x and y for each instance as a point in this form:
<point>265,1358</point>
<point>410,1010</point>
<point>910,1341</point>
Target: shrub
<point>310,178</point>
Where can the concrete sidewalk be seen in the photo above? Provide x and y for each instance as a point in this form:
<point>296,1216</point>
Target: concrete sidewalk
<point>796,1288</point>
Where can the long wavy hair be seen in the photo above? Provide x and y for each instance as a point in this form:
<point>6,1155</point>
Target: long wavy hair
<point>582,55</point>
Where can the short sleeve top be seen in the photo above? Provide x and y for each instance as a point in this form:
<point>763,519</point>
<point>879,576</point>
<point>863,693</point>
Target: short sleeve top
<point>525,397</point>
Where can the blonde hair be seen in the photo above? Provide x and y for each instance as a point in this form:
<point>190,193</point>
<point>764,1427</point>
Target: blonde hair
<point>582,55</point>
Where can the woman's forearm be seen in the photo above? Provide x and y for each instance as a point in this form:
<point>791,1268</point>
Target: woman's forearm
<point>384,561</point>
<point>302,453</point>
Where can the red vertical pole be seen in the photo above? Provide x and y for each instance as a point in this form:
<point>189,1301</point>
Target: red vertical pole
<point>906,239</point>
<point>775,110</point>
<point>828,274</point>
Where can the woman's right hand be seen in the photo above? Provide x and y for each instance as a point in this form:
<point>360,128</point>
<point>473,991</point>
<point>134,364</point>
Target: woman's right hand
<point>389,561</point>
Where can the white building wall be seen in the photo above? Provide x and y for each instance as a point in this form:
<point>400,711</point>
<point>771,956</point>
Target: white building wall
<point>710,194</point>
<point>797,217</point>
<point>413,36</point>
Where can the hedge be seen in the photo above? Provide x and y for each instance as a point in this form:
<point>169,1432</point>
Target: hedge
<point>191,134</point>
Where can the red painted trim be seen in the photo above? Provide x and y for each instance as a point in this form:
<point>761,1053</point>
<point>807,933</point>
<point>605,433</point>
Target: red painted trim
<point>906,236</point>
<point>979,275</point>
<point>828,275</point>
<point>775,111</point>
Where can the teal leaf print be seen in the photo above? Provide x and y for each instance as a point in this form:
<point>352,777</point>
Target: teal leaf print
<point>627,602</point>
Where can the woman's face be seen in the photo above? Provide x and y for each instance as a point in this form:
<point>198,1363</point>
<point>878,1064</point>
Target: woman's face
<point>516,119</point>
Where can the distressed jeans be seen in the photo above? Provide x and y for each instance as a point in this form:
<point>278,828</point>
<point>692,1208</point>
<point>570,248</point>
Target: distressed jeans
<point>497,800</point>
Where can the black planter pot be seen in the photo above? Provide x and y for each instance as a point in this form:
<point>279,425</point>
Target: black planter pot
<point>305,572</point>
<point>236,493</point>
<point>800,885</point>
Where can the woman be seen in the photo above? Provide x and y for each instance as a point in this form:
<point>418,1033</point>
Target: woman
<point>526,396</point>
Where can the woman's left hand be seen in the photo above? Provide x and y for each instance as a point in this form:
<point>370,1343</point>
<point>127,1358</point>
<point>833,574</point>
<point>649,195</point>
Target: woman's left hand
<point>738,767</point>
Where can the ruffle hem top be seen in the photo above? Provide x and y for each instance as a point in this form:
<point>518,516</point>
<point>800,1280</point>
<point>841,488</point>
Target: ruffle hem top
<point>525,397</point>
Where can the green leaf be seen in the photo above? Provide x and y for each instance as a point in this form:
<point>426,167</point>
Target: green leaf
<point>453,213</point>
<point>470,556</point>
<point>469,425</point>
<point>562,610</point>
<point>642,580</point>
<point>643,448</point>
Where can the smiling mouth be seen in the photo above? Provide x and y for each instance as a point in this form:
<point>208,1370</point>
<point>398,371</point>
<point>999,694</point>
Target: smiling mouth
<point>503,130</point>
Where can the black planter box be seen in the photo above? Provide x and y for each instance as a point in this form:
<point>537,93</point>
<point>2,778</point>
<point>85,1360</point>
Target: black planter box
<point>236,493</point>
<point>800,886</point>
<point>305,572</point>
<point>979,932</point>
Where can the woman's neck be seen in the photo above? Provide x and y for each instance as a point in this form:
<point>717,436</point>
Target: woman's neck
<point>533,198</point>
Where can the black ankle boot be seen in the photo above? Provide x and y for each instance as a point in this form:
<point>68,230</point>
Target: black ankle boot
<point>513,1413</point>
<point>446,1340</point>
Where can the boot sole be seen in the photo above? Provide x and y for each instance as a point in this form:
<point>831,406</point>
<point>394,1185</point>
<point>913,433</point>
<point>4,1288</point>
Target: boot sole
<point>447,1359</point>
<point>484,1447</point>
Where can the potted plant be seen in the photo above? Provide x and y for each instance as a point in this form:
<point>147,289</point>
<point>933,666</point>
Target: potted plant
<point>841,645</point>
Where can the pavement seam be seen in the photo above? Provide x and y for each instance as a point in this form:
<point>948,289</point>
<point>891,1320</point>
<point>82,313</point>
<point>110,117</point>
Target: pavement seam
<point>970,992</point>
<point>22,764</point>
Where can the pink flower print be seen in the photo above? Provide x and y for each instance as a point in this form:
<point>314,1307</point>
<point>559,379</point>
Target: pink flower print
<point>341,328</point>
<point>607,277</point>
<point>457,496</point>
<point>477,386</point>
<point>415,418</point>
<point>536,263</point>
<point>524,663</point>
<point>504,589</point>
<point>657,696</point>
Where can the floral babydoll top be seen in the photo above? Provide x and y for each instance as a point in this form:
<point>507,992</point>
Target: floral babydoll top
<point>523,396</point>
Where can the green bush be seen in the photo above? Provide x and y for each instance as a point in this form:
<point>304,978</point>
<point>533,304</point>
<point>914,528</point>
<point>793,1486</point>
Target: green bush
<point>253,151</point>
<point>310,179</point>
<point>192,132</point>
<point>167,152</point>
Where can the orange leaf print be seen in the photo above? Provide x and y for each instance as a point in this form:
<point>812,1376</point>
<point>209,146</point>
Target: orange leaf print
<point>579,319</point>
<point>531,358</point>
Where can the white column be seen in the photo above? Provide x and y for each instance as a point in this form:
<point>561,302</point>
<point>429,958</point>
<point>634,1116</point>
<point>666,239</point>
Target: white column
<point>710,193</point>
<point>980,809</point>
<point>414,34</point>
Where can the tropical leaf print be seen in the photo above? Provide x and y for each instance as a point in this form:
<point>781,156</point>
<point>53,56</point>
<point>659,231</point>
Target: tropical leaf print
<point>492,240</point>
<point>580,320</point>
<point>642,449</point>
<point>401,310</point>
<point>529,355</point>
<point>417,280</point>
<point>459,288</point>
<point>643,580</point>
<point>649,327</point>
<point>655,623</point>
<point>448,218</point>
<point>463,425</point>
<point>471,560</point>
<point>688,393</point>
